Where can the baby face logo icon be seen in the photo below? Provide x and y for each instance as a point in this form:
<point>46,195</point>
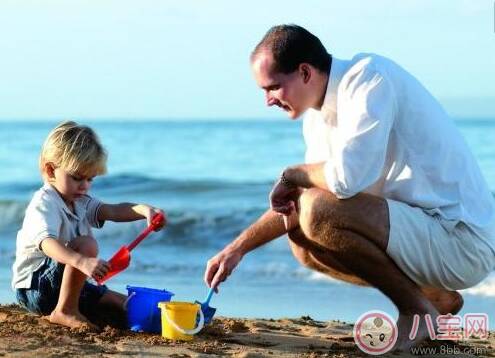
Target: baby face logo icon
<point>375,332</point>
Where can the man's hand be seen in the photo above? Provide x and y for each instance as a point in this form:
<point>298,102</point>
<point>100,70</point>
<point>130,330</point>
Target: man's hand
<point>283,197</point>
<point>93,267</point>
<point>220,266</point>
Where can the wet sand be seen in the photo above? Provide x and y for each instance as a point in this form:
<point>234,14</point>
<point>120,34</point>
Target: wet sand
<point>23,334</point>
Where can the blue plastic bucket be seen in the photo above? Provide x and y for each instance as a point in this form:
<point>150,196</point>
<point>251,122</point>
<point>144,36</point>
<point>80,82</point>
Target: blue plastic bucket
<point>143,313</point>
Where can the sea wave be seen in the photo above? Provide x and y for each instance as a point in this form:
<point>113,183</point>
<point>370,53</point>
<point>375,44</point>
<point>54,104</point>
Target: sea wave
<point>11,213</point>
<point>200,227</point>
<point>265,272</point>
<point>136,183</point>
<point>187,195</point>
<point>133,183</point>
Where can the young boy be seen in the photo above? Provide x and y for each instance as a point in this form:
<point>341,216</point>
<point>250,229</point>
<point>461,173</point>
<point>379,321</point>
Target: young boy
<point>56,251</point>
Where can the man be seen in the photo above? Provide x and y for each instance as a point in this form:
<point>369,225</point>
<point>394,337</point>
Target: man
<point>390,195</point>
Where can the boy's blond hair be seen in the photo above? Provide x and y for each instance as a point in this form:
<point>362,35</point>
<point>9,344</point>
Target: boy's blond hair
<point>75,148</point>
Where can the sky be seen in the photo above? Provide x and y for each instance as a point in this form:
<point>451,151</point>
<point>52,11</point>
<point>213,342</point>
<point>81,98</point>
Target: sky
<point>190,59</point>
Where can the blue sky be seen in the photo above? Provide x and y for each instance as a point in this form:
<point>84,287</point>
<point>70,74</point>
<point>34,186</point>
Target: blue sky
<point>189,59</point>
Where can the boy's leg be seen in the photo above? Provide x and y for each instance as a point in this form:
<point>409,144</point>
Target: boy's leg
<point>103,306</point>
<point>112,303</point>
<point>67,310</point>
<point>113,299</point>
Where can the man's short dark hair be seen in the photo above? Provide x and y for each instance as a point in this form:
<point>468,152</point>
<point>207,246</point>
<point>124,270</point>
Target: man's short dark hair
<point>292,45</point>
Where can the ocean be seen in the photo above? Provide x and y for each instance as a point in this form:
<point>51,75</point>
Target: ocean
<point>212,178</point>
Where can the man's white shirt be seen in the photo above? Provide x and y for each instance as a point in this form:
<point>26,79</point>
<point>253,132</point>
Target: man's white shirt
<point>380,131</point>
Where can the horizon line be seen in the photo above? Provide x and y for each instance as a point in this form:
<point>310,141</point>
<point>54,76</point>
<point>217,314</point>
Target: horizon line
<point>177,119</point>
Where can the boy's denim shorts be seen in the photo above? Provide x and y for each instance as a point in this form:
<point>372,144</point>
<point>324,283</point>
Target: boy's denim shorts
<point>43,295</point>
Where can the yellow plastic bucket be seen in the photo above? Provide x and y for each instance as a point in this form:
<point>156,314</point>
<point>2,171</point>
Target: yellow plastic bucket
<point>179,320</point>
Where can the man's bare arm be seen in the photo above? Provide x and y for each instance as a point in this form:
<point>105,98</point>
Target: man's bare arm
<point>268,227</point>
<point>307,176</point>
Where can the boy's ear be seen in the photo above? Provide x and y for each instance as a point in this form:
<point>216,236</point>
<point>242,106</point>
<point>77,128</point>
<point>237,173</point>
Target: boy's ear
<point>50,170</point>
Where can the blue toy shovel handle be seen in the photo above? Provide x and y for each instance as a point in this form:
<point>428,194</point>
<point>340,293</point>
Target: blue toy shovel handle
<point>208,296</point>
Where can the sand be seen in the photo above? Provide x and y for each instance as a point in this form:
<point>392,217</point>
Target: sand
<point>23,334</point>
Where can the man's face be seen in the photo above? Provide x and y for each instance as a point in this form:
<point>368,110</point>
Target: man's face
<point>286,91</point>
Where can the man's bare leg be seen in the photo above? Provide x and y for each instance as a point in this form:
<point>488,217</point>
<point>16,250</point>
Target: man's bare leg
<point>303,250</point>
<point>322,264</point>
<point>67,310</point>
<point>355,232</point>
<point>444,301</point>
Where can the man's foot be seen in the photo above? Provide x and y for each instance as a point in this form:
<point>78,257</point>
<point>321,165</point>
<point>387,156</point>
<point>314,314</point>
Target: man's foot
<point>443,300</point>
<point>413,333</point>
<point>73,320</point>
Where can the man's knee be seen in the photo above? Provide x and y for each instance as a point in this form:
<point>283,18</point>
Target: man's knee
<point>85,245</point>
<point>302,249</point>
<point>300,253</point>
<point>304,253</point>
<point>329,221</point>
<point>318,215</point>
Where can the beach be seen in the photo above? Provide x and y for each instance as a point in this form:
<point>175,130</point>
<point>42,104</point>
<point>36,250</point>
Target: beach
<point>24,334</point>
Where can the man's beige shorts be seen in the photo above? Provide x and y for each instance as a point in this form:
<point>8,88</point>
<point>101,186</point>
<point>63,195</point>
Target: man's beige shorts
<point>430,255</point>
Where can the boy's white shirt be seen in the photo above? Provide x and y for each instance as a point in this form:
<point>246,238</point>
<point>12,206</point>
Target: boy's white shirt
<point>48,216</point>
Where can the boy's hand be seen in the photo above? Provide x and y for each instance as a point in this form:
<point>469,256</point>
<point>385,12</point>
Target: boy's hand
<point>93,267</point>
<point>149,212</point>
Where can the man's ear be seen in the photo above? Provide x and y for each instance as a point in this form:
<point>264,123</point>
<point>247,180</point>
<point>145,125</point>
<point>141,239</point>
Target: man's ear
<point>305,71</point>
<point>50,170</point>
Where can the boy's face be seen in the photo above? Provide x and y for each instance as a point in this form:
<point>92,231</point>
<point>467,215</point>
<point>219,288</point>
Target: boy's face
<point>70,186</point>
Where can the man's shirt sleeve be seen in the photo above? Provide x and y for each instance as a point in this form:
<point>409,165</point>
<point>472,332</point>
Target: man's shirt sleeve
<point>366,108</point>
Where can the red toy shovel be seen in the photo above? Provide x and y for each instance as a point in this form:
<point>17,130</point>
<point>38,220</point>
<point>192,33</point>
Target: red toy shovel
<point>122,258</point>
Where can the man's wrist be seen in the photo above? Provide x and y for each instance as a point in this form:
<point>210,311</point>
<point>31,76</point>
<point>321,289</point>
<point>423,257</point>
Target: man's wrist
<point>241,246</point>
